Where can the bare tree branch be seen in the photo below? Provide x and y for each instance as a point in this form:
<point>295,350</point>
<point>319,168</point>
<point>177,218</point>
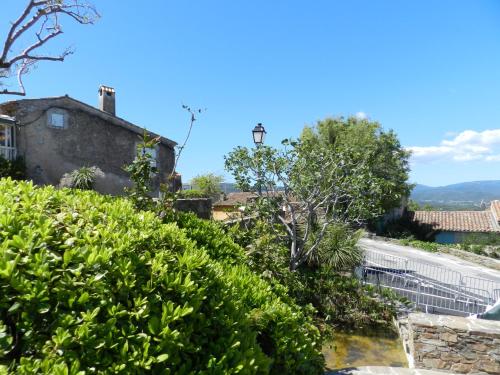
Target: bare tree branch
<point>46,14</point>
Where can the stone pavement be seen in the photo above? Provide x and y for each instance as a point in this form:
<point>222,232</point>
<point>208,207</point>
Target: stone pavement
<point>380,370</point>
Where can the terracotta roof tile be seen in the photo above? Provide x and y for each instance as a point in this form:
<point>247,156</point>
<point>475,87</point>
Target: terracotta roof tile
<point>457,221</point>
<point>495,209</point>
<point>235,199</point>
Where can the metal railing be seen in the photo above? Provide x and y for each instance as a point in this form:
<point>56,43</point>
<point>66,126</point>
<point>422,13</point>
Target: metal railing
<point>8,153</point>
<point>432,288</point>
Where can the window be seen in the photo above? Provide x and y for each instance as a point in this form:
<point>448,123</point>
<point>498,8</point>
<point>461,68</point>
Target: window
<point>152,152</point>
<point>7,142</point>
<point>57,120</point>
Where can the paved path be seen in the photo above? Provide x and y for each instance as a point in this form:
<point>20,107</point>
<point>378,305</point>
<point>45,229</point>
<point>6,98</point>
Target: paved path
<point>434,259</point>
<point>379,370</point>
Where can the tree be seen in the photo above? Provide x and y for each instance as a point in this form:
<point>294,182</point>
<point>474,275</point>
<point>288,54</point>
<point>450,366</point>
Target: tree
<point>366,142</point>
<point>314,187</point>
<point>141,171</point>
<point>208,184</point>
<point>43,19</point>
<point>321,180</point>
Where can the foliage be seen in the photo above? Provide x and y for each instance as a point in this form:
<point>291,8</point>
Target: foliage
<point>338,251</point>
<point>186,194</point>
<point>83,178</point>
<point>315,186</point>
<point>486,244</point>
<point>15,169</point>
<point>141,171</point>
<point>209,184</point>
<point>415,206</point>
<point>365,142</point>
<point>90,285</point>
<point>345,303</point>
<point>340,300</point>
<point>432,247</point>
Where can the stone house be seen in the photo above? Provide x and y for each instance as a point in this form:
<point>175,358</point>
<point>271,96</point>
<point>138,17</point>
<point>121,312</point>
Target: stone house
<point>60,134</point>
<point>451,227</point>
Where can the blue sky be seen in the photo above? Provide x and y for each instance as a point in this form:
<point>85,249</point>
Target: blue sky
<point>428,69</point>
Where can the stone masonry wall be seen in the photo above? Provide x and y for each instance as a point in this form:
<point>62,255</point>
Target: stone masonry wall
<point>202,207</point>
<point>454,344</point>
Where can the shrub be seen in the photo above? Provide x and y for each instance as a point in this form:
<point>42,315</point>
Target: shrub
<point>83,178</point>
<point>338,299</point>
<point>431,247</point>
<point>15,169</point>
<point>90,285</point>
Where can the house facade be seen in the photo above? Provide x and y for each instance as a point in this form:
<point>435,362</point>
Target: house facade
<point>450,227</point>
<point>58,135</point>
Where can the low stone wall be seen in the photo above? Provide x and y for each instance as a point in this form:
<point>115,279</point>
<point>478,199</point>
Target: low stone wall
<point>202,207</point>
<point>454,344</point>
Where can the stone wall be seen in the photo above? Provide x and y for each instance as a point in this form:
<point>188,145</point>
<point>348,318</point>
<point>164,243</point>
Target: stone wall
<point>202,207</point>
<point>454,344</point>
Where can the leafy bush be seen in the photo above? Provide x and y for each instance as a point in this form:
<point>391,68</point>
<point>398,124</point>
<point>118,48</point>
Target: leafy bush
<point>486,244</point>
<point>15,169</point>
<point>88,285</point>
<point>338,250</point>
<point>338,299</point>
<point>83,178</point>
<point>432,247</point>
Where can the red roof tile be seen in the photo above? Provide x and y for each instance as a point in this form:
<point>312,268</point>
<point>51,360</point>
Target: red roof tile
<point>495,209</point>
<point>235,199</point>
<point>457,221</point>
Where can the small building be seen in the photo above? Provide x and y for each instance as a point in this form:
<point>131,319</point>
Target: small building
<point>451,227</point>
<point>230,205</point>
<point>60,134</point>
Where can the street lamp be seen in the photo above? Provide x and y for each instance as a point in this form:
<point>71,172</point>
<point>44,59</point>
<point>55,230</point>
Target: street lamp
<point>258,138</point>
<point>258,134</point>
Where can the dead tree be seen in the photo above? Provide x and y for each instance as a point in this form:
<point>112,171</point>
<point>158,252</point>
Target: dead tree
<point>42,18</point>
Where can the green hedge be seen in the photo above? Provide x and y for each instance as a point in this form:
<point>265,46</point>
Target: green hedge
<point>88,285</point>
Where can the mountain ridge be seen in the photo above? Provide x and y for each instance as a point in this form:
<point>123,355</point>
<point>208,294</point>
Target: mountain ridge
<point>470,193</point>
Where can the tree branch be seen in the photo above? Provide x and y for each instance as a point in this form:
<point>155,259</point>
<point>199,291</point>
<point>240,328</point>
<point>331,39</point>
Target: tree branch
<point>48,11</point>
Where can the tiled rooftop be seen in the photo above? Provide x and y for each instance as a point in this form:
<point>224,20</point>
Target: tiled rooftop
<point>460,221</point>
<point>235,199</point>
<point>495,208</point>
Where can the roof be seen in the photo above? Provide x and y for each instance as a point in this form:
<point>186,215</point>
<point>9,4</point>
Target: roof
<point>495,209</point>
<point>73,103</point>
<point>459,221</point>
<point>235,199</point>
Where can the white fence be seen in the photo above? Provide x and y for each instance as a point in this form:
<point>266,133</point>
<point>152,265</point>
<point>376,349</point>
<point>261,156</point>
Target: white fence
<point>432,288</point>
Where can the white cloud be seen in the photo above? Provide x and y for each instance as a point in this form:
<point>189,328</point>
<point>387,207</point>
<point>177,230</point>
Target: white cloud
<point>361,115</point>
<point>465,146</point>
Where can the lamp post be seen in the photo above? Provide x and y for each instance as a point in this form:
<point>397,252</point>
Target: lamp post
<point>259,134</point>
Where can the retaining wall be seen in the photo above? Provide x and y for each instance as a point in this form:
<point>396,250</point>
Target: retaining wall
<point>454,344</point>
<point>202,207</point>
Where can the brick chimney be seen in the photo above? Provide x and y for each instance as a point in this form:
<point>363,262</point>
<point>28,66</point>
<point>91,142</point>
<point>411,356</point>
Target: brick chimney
<point>107,100</point>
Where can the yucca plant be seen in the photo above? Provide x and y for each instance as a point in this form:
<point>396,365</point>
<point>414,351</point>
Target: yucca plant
<point>83,178</point>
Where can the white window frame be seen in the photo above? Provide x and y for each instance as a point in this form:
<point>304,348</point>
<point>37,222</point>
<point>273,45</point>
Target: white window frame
<point>8,147</point>
<point>153,151</point>
<point>57,120</point>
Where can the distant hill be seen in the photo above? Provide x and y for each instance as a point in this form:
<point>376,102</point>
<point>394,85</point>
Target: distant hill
<point>465,195</point>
